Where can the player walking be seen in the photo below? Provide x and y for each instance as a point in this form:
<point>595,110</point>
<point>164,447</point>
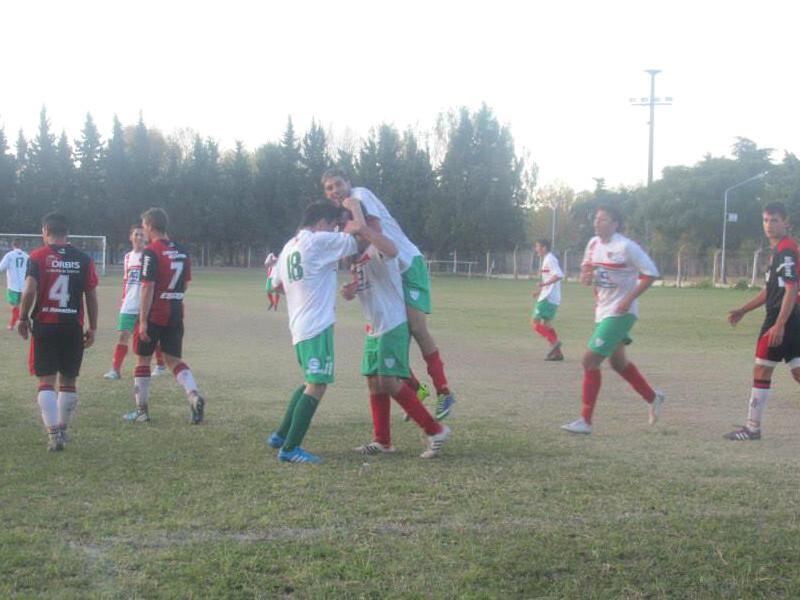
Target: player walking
<point>129,306</point>
<point>549,297</point>
<point>58,278</point>
<point>621,272</point>
<point>780,334</point>
<point>15,264</point>
<point>416,281</point>
<point>166,273</point>
<point>306,272</point>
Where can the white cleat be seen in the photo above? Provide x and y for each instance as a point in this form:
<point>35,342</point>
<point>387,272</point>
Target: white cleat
<point>374,448</point>
<point>578,426</point>
<point>112,374</point>
<point>158,371</point>
<point>435,443</point>
<point>655,407</point>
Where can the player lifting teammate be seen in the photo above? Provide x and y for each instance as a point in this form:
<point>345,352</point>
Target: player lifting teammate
<point>779,339</point>
<point>58,278</point>
<point>15,264</point>
<point>548,297</point>
<point>166,273</point>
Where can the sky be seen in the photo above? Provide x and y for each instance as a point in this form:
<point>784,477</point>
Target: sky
<point>559,74</point>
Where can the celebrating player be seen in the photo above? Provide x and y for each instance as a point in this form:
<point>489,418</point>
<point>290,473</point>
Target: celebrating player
<point>780,334</point>
<point>15,264</point>
<point>274,297</point>
<point>306,272</point>
<point>416,282</point>
<point>166,273</point>
<point>621,272</point>
<point>549,297</point>
<point>129,307</point>
<point>58,278</point>
<point>379,287</point>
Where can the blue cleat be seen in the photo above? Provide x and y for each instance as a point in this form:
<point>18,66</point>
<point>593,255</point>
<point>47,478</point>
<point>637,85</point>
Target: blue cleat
<point>137,416</point>
<point>298,455</point>
<point>274,440</point>
<point>444,405</point>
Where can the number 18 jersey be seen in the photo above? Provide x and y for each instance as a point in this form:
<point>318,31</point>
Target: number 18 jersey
<point>63,274</point>
<point>167,265</point>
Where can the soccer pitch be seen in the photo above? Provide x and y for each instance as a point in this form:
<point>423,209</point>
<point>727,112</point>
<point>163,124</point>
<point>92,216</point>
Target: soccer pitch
<point>515,508</point>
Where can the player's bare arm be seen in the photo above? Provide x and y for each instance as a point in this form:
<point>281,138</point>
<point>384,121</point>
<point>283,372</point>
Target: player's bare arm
<point>587,274</point>
<point>147,291</point>
<point>736,314</point>
<point>360,228</point>
<point>776,332</point>
<point>28,298</point>
<point>91,312</point>
<point>641,287</point>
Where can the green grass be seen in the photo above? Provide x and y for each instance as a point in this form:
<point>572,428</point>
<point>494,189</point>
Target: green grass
<point>515,509</point>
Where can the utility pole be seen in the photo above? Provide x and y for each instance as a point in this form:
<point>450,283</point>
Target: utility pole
<point>652,102</point>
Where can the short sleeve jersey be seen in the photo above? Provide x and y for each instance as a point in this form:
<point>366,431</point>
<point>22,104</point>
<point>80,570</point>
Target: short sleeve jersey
<point>63,275</point>
<point>132,283</point>
<point>306,269</point>
<point>380,290</point>
<point>406,250</point>
<point>167,265</point>
<point>550,267</point>
<point>618,265</point>
<point>782,270</point>
<point>15,264</point>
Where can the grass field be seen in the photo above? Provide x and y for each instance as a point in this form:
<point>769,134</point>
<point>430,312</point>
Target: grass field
<point>515,508</point>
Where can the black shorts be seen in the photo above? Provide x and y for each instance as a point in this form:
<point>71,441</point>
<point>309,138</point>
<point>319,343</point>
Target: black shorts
<point>169,336</point>
<point>56,348</point>
<point>789,349</point>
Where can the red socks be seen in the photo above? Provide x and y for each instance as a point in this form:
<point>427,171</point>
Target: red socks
<point>631,375</point>
<point>14,316</point>
<point>120,350</point>
<point>409,402</point>
<point>436,371</point>
<point>591,387</point>
<point>547,333</point>
<point>381,411</point>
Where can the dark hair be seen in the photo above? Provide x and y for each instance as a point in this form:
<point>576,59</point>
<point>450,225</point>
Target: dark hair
<point>776,209</point>
<point>157,219</point>
<point>544,242</point>
<point>613,212</point>
<point>320,210</point>
<point>135,225</point>
<point>55,224</point>
<point>335,172</point>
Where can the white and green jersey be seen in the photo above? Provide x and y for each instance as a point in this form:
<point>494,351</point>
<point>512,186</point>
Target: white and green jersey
<point>380,290</point>
<point>617,265</point>
<point>306,269</point>
<point>406,250</point>
<point>15,264</point>
<point>550,267</point>
<point>132,283</point>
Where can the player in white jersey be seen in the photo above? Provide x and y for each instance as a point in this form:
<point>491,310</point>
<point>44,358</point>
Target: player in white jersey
<point>416,281</point>
<point>621,272</point>
<point>305,271</point>
<point>379,287</point>
<point>129,305</point>
<point>548,298</point>
<point>15,264</point>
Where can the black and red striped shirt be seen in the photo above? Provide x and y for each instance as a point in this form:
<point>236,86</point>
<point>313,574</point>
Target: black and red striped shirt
<point>782,270</point>
<point>63,275</point>
<point>167,265</point>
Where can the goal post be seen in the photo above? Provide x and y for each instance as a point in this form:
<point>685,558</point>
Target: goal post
<point>93,245</point>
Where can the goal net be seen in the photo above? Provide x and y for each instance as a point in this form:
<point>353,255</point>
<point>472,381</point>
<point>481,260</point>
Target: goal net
<point>93,245</point>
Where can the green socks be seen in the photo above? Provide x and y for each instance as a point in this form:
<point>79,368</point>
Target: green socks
<point>283,430</point>
<point>303,413</point>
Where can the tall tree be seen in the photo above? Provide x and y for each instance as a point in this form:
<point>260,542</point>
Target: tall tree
<point>91,178</point>
<point>315,160</point>
<point>7,183</point>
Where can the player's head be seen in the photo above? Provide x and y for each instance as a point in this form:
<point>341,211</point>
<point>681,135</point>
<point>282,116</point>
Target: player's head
<point>336,183</point>
<point>542,247</point>
<point>15,243</point>
<point>775,220</point>
<point>320,216</point>
<point>136,235</point>
<point>55,226</point>
<point>155,220</point>
<point>607,220</point>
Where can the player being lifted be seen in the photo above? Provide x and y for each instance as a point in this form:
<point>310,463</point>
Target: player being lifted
<point>166,273</point>
<point>15,264</point>
<point>779,339</point>
<point>548,294</point>
<point>416,282</point>
<point>379,287</point>
<point>621,272</point>
<point>306,272</point>
<point>129,306</point>
<point>58,278</point>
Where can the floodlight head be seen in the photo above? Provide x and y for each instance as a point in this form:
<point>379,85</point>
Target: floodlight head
<point>653,71</point>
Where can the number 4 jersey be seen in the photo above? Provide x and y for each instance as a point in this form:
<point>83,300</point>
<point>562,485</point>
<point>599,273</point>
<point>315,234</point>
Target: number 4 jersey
<point>167,265</point>
<point>63,274</point>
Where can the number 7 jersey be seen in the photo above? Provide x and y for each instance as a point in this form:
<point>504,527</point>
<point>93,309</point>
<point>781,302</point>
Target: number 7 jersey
<point>167,265</point>
<point>63,274</point>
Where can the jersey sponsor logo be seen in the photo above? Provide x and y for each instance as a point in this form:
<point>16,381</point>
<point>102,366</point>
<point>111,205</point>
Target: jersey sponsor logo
<point>173,254</point>
<point>172,296</point>
<point>603,280</point>
<point>55,263</point>
<point>56,309</point>
<point>316,367</point>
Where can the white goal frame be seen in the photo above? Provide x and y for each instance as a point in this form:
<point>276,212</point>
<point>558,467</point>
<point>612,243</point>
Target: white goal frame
<point>101,263</point>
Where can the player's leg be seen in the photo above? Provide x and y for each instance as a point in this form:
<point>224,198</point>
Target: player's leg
<point>381,405</point>
<point>71,350</point>
<point>170,338</point>
<point>126,325</point>
<point>544,314</point>
<point>44,358</point>
<point>161,365</point>
<point>422,389</point>
<point>13,303</point>
<point>620,363</point>
<point>278,436</point>
<point>67,401</point>
<point>141,377</point>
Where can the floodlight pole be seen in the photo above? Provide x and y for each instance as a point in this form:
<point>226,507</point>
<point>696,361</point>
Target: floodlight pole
<point>652,102</point>
<point>555,216</point>
<point>725,219</point>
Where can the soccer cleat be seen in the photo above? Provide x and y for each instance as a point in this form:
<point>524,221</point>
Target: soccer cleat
<point>435,443</point>
<point>554,355</point>
<point>112,374</point>
<point>742,434</point>
<point>55,441</point>
<point>197,405</point>
<point>555,349</point>
<point>422,393</point>
<point>64,433</point>
<point>374,448</point>
<point>298,455</point>
<point>10,327</point>
<point>137,416</point>
<point>444,405</point>
<point>578,426</point>
<point>655,407</point>
<point>274,440</point>
<point>158,371</point>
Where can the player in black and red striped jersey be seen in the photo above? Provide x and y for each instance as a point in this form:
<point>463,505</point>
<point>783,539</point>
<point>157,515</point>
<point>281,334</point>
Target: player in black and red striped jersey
<point>166,272</point>
<point>779,339</point>
<point>59,277</point>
